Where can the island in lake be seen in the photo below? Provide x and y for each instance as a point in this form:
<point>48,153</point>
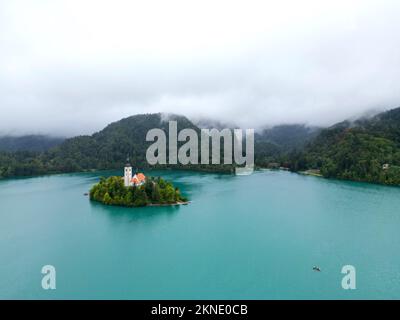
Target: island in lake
<point>136,191</point>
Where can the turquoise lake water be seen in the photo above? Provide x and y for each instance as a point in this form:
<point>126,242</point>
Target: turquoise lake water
<point>242,237</point>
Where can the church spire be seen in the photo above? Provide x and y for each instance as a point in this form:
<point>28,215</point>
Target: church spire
<point>128,164</point>
<point>127,173</point>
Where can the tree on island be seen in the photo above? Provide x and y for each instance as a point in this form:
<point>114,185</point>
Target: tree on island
<point>112,191</point>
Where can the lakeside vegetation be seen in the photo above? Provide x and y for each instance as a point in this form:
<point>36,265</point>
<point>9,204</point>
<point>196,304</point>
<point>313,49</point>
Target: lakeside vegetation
<point>155,191</point>
<point>36,143</point>
<point>104,150</point>
<point>364,150</point>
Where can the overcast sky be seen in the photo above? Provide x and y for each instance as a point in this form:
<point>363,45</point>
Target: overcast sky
<point>71,67</point>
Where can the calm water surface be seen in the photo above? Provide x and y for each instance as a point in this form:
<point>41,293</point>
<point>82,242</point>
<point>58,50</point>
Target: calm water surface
<point>248,237</point>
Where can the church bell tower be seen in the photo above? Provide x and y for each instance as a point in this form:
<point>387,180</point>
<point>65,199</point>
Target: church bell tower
<point>127,173</point>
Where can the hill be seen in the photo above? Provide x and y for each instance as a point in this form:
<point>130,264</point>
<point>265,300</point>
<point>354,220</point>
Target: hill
<point>106,149</point>
<point>364,150</point>
<point>36,143</point>
<point>288,137</point>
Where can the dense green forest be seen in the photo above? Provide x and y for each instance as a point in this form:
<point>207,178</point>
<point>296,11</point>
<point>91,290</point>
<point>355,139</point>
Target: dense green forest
<point>273,145</point>
<point>288,137</point>
<point>106,149</point>
<point>112,191</point>
<point>36,143</point>
<point>364,150</point>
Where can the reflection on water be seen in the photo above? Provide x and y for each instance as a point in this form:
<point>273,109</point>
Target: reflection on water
<point>132,215</point>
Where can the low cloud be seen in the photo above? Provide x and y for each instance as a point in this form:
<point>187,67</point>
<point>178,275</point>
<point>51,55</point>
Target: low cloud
<point>69,68</point>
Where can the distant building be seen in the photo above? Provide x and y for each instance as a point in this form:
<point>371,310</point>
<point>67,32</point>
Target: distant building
<point>136,180</point>
<point>385,166</point>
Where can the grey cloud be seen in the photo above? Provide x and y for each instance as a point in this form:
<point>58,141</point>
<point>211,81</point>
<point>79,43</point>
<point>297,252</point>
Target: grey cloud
<point>68,82</point>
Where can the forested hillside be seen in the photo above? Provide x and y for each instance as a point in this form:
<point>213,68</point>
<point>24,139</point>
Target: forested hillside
<point>107,149</point>
<point>364,150</point>
<point>36,143</point>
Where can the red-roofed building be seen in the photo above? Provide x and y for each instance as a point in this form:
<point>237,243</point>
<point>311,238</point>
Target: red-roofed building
<point>137,180</point>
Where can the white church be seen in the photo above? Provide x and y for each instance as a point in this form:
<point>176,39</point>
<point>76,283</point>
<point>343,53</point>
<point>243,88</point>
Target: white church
<point>136,180</point>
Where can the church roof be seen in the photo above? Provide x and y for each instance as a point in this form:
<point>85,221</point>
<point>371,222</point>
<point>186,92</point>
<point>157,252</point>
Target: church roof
<point>135,180</point>
<point>138,178</point>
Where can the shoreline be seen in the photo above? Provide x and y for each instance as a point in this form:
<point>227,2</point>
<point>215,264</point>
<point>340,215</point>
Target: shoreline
<point>195,171</point>
<point>310,173</point>
<point>179,203</point>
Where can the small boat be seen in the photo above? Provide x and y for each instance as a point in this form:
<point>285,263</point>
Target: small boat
<point>86,194</point>
<point>315,268</point>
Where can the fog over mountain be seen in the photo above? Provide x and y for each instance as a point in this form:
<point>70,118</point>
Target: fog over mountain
<point>71,67</point>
